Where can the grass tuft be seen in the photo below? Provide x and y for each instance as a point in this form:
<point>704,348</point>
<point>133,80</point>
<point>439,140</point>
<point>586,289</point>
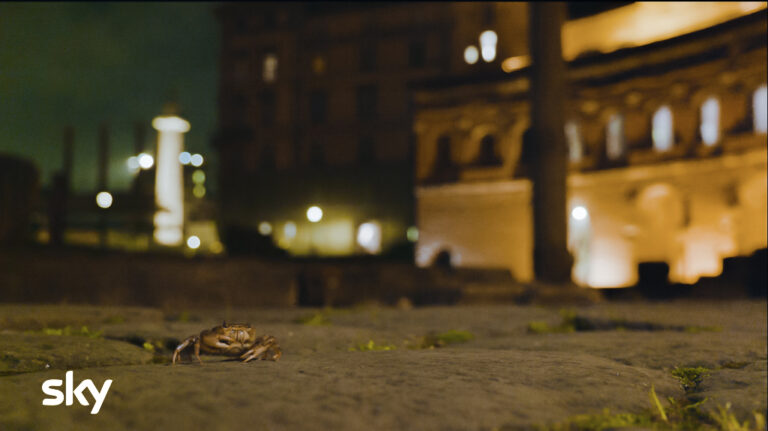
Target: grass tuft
<point>371,346</point>
<point>690,377</point>
<point>69,331</point>
<point>317,319</point>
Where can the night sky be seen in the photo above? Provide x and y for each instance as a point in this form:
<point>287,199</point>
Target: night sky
<point>84,63</point>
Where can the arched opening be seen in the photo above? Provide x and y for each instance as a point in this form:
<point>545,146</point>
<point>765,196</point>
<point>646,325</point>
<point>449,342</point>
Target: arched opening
<point>760,109</point>
<point>573,137</point>
<point>662,130</point>
<point>443,168</point>
<point>487,155</point>
<point>710,122</point>
<point>615,141</point>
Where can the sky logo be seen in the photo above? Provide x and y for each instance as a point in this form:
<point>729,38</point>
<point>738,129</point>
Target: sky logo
<point>71,392</point>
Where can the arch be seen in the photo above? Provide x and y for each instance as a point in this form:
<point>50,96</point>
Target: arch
<point>662,129</point>
<point>443,166</point>
<point>427,136</point>
<point>615,139</point>
<point>760,109</point>
<point>709,121</point>
<point>487,154</point>
<point>471,151</point>
<point>574,140</point>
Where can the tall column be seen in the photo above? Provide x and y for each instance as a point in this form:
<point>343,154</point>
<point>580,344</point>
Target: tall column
<point>552,263</point>
<point>169,180</point>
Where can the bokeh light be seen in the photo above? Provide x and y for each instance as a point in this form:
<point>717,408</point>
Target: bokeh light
<point>104,200</point>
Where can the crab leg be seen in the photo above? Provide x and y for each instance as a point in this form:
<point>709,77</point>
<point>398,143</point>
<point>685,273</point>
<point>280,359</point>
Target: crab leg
<point>260,351</point>
<point>184,344</point>
<point>253,353</point>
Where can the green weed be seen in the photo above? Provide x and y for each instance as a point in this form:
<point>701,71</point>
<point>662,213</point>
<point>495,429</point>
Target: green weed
<point>370,346</point>
<point>680,415</point>
<point>69,331</point>
<point>317,319</point>
<point>690,377</point>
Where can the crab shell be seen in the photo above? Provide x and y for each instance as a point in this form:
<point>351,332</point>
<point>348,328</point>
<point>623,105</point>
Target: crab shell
<point>228,340</point>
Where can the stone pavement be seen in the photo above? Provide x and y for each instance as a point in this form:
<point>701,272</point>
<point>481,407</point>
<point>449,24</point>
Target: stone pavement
<point>462,368</point>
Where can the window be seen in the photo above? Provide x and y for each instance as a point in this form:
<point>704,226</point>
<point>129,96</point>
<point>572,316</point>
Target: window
<point>367,99</point>
<point>615,144</point>
<point>366,149</point>
<point>269,70</point>
<point>760,110</point>
<point>710,121</point>
<point>416,53</point>
<point>318,102</point>
<point>367,56</point>
<point>487,155</point>
<point>573,137</point>
<point>662,131</point>
<point>488,41</point>
<point>471,54</point>
<point>268,108</point>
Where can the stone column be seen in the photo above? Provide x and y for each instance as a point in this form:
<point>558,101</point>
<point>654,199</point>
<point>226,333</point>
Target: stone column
<point>169,180</point>
<point>552,263</point>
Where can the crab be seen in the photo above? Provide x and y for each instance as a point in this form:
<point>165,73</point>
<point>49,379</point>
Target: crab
<point>232,340</point>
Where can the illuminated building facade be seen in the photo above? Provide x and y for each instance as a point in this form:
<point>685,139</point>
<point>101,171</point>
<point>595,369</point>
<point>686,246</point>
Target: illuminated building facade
<point>315,110</point>
<point>666,140</point>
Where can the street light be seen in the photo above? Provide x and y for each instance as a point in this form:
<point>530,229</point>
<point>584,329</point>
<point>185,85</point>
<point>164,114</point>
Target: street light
<point>104,200</point>
<point>314,214</point>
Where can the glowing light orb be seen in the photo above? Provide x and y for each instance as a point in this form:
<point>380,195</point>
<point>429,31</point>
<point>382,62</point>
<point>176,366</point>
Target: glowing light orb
<point>104,200</point>
<point>412,234</point>
<point>196,160</point>
<point>133,163</point>
<point>265,228</point>
<point>471,54</point>
<point>185,158</point>
<point>579,213</point>
<point>369,237</point>
<point>193,242</point>
<point>289,230</point>
<point>198,177</point>
<point>199,191</point>
<point>146,161</point>
<point>314,214</point>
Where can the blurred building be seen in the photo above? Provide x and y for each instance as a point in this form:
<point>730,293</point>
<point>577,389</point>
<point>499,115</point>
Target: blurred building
<point>315,111</point>
<point>666,132</point>
<point>125,219</point>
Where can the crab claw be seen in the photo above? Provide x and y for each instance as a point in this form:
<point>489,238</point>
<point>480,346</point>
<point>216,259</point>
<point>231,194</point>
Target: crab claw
<point>184,344</point>
<point>262,349</point>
